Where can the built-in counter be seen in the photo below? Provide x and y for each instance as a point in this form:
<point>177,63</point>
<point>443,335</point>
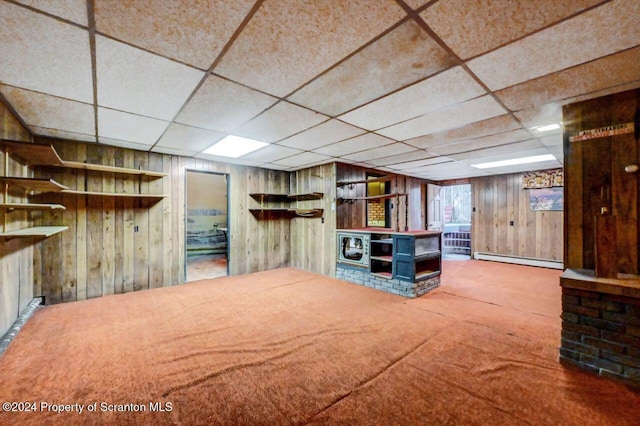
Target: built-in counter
<point>405,263</point>
<point>601,324</point>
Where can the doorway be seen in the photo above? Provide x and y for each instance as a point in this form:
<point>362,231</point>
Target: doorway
<point>456,232</point>
<point>207,242</point>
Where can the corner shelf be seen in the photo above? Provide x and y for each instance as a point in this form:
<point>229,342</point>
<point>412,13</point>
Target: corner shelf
<point>34,232</point>
<point>287,213</point>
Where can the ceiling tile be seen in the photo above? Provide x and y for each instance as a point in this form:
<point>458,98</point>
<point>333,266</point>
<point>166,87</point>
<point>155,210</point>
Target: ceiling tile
<point>539,116</point>
<point>557,152</point>
<point>531,57</point>
<point>303,159</point>
<point>37,109</point>
<point>173,151</point>
<point>193,32</point>
<point>604,92</point>
<point>447,88</point>
<point>611,71</point>
<point>271,153</point>
<point>552,141</point>
<point>497,153</point>
<point>55,59</point>
<point>222,105</point>
<point>191,139</point>
<point>456,116</point>
<point>71,10</point>
<point>474,130</point>
<point>395,159</point>
<point>415,4</point>
<point>474,28</point>
<point>413,165</point>
<point>482,142</point>
<point>61,134</point>
<point>288,43</point>
<point>123,144</point>
<point>453,170</point>
<point>129,127</point>
<point>323,134</point>
<point>359,143</point>
<point>383,151</point>
<point>136,81</point>
<point>279,122</point>
<point>276,167</point>
<point>405,55</point>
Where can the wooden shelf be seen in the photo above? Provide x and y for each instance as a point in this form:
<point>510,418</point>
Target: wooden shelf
<point>38,232</point>
<point>31,206</point>
<point>385,275</point>
<point>32,154</point>
<point>380,179</point>
<point>426,274</point>
<point>428,255</point>
<point>282,198</point>
<point>373,197</point>
<point>288,213</point>
<point>116,194</point>
<point>41,185</point>
<point>383,241</point>
<point>382,258</point>
<point>46,155</point>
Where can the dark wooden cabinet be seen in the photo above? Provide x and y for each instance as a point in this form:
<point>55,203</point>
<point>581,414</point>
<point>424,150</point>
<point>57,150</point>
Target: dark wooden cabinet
<point>416,257</point>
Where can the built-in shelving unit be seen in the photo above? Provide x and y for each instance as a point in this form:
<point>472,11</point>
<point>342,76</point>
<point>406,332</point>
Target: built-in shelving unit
<point>31,184</point>
<point>354,182</point>
<point>373,197</point>
<point>417,256</point>
<point>285,212</point>
<point>381,255</point>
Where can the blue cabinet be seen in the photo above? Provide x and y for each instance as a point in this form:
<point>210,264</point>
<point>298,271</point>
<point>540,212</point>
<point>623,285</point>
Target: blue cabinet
<point>417,256</point>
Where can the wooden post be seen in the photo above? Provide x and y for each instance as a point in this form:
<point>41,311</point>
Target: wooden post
<point>606,246</point>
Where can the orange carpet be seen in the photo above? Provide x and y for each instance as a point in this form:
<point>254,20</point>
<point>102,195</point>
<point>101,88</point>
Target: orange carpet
<point>291,347</point>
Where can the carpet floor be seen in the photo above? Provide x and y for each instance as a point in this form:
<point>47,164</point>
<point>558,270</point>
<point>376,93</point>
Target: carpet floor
<point>291,347</point>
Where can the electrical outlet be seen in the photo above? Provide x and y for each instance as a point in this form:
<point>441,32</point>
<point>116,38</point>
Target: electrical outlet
<point>510,223</point>
<point>136,228</point>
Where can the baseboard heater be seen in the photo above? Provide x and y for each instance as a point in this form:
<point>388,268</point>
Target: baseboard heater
<point>18,323</point>
<point>554,264</point>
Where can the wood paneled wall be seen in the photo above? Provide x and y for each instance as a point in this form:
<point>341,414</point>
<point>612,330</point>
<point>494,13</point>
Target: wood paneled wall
<point>595,178</point>
<point>353,214</point>
<point>102,253</point>
<point>498,200</point>
<point>121,245</point>
<point>16,256</point>
<point>313,241</point>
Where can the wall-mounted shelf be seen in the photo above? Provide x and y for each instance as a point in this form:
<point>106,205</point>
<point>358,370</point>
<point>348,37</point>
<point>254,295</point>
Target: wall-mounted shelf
<point>46,155</point>
<point>40,185</point>
<point>31,206</point>
<point>286,213</point>
<point>354,182</point>
<point>285,198</point>
<point>373,197</point>
<point>116,194</point>
<point>35,232</point>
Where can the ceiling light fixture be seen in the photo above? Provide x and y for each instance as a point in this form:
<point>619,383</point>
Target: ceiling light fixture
<point>515,161</point>
<point>546,128</point>
<point>234,147</point>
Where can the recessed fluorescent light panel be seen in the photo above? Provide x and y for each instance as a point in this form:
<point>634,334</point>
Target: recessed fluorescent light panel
<point>515,161</point>
<point>547,128</point>
<point>234,147</point>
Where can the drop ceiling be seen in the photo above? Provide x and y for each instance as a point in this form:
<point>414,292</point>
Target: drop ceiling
<point>422,88</point>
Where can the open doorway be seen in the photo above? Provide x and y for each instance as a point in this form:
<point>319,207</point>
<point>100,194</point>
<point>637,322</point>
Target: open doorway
<point>456,231</point>
<point>207,245</point>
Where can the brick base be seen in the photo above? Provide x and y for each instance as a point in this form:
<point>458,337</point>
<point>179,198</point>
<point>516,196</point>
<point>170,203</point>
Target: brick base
<point>399,287</point>
<point>601,334</point>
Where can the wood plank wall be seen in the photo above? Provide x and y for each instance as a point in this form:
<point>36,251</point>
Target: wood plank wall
<point>353,214</point>
<point>498,200</point>
<point>16,256</point>
<point>102,253</point>
<point>593,165</point>
<point>313,241</point>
